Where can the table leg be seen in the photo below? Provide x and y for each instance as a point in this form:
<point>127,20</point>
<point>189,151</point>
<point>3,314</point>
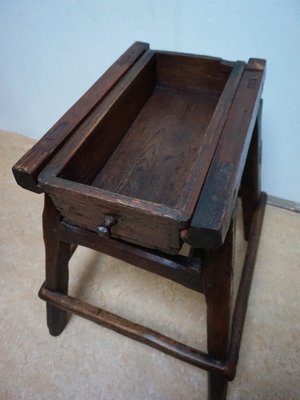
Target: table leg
<point>250,184</point>
<point>57,258</point>
<point>218,282</point>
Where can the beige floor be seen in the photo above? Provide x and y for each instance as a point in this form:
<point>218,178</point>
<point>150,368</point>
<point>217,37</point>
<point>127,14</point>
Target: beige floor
<point>90,362</point>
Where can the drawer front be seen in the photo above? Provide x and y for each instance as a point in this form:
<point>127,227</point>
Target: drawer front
<point>130,224</point>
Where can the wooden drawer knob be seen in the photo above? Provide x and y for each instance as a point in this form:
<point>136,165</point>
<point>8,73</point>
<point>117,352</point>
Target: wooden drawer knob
<point>104,229</point>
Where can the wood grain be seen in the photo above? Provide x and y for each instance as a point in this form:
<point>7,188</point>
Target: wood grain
<point>150,142</point>
<point>217,284</point>
<point>146,224</point>
<point>101,132</point>
<point>213,212</point>
<point>153,154</point>
<point>57,255</point>
<point>184,270</point>
<point>251,184</point>
<point>134,331</point>
<point>154,158</point>
<point>192,72</point>
<point>26,170</point>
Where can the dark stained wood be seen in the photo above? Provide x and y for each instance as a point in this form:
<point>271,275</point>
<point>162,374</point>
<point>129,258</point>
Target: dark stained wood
<point>168,142</point>
<point>250,184</point>
<point>213,212</point>
<point>26,170</point>
<point>149,225</point>
<point>134,331</point>
<point>195,179</point>
<point>57,256</point>
<point>241,304</point>
<point>191,72</point>
<point>180,141</point>
<point>220,369</point>
<point>177,268</point>
<point>156,156</point>
<point>217,286</point>
<point>104,127</point>
<point>100,134</point>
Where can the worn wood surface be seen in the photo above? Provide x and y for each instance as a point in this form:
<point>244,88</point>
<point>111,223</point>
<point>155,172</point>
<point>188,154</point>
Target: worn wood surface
<point>220,369</point>
<point>187,71</point>
<point>57,255</point>
<point>157,163</point>
<point>136,153</point>
<point>155,154</point>
<point>146,224</point>
<point>250,184</point>
<point>196,177</point>
<point>241,303</point>
<point>96,138</point>
<point>154,158</point>
<point>178,268</point>
<point>26,170</point>
<point>217,285</point>
<point>213,212</point>
<point>134,331</point>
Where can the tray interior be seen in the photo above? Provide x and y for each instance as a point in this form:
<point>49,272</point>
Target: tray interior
<point>146,144</point>
<point>154,157</point>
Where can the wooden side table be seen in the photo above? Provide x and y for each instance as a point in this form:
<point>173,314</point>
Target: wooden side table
<point>152,156</point>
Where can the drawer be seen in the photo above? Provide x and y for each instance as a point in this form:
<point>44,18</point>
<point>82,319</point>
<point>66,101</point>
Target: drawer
<point>152,226</point>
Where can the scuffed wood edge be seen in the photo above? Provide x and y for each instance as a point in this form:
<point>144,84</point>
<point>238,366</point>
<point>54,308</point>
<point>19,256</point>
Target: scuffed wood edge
<point>26,170</point>
<point>211,218</point>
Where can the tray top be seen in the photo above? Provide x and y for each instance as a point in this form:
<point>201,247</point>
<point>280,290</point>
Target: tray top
<point>140,145</point>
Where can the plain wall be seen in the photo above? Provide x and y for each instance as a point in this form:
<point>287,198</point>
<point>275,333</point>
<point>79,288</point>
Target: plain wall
<point>52,51</point>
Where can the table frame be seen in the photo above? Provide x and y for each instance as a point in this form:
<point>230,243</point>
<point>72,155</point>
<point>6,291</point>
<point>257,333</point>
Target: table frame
<point>209,268</point>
